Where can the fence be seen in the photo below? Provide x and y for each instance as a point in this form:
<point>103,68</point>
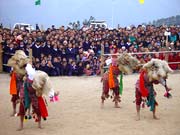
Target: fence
<point>143,53</point>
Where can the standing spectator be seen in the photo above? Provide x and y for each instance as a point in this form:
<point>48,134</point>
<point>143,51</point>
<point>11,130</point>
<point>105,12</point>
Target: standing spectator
<point>8,51</point>
<point>86,45</point>
<point>70,52</point>
<point>46,48</point>
<point>96,66</point>
<point>106,48</point>
<point>55,52</point>
<point>36,50</point>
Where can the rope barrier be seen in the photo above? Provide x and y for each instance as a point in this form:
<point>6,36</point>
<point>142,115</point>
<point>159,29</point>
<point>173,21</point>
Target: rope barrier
<point>143,53</point>
<point>160,52</point>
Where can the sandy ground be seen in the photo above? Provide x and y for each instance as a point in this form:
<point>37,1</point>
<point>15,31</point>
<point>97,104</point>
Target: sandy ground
<point>79,111</point>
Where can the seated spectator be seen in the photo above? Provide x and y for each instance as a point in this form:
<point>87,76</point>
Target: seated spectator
<point>37,65</point>
<point>80,69</point>
<point>65,68</point>
<point>73,69</point>
<point>88,70</point>
<point>51,71</point>
<point>57,65</point>
<point>96,66</point>
<point>43,66</point>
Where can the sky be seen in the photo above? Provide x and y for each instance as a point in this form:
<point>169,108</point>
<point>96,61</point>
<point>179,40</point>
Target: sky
<point>61,12</point>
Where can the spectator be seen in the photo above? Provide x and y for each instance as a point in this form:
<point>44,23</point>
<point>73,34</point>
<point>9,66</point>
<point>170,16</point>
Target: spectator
<point>88,70</point>
<point>83,46</point>
<point>73,69</point>
<point>57,65</point>
<point>36,50</point>
<point>65,68</point>
<point>86,45</point>
<point>80,69</point>
<point>51,71</point>
<point>43,66</point>
<point>70,52</point>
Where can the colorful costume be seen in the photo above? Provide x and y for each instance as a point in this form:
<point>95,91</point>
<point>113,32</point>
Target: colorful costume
<point>31,90</point>
<point>125,63</point>
<point>153,72</point>
<point>145,89</point>
<point>15,86</point>
<point>105,82</point>
<point>114,82</point>
<point>28,97</point>
<point>36,84</point>
<point>110,81</point>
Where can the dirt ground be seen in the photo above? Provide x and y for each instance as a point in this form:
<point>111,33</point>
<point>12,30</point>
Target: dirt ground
<point>79,112</point>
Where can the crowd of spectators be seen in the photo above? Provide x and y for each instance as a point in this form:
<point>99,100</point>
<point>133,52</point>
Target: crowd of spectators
<point>68,52</point>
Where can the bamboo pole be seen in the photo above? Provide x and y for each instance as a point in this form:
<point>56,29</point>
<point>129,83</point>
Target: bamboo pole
<point>1,56</point>
<point>1,51</point>
<point>102,59</point>
<point>167,49</point>
<point>30,55</point>
<point>117,54</point>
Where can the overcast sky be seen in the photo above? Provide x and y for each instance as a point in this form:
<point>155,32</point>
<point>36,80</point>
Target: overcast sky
<point>61,12</point>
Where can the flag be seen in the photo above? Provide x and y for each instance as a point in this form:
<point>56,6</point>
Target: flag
<point>13,87</point>
<point>121,84</point>
<point>141,1</point>
<point>37,2</point>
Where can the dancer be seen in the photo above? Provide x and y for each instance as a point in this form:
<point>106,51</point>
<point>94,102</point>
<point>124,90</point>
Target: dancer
<point>153,72</point>
<point>110,81</point>
<point>125,63</point>
<point>36,84</point>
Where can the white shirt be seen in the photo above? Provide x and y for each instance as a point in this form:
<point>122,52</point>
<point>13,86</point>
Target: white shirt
<point>30,71</point>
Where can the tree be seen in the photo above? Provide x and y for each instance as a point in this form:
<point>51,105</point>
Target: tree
<point>74,25</point>
<point>77,25</point>
<point>70,25</point>
<point>173,20</point>
<point>91,18</point>
<point>85,22</point>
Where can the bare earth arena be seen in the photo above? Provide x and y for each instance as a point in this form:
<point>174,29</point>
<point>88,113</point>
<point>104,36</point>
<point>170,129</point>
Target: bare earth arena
<point>79,110</point>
